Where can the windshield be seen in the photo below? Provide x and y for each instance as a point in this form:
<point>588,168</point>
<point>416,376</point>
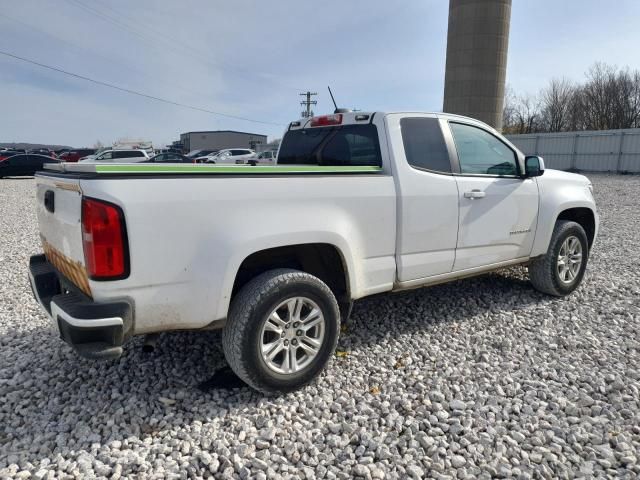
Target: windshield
<point>335,146</point>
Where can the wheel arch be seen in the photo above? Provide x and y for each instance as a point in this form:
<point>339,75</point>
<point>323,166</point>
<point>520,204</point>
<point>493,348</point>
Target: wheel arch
<point>583,216</point>
<point>323,260</point>
<point>581,212</point>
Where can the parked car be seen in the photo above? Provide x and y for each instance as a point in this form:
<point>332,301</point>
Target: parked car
<point>230,156</point>
<point>76,155</point>
<point>200,153</point>
<point>118,156</point>
<point>147,146</point>
<point>43,151</point>
<point>7,152</point>
<point>23,164</point>
<point>266,158</point>
<point>359,204</point>
<point>170,158</point>
<point>96,153</point>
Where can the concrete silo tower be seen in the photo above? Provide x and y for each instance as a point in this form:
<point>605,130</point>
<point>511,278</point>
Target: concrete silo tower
<point>477,43</point>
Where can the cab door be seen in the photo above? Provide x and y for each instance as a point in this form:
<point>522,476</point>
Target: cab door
<point>427,196</point>
<point>498,208</point>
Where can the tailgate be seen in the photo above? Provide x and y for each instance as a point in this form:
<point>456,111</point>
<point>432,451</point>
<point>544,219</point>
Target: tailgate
<point>59,210</point>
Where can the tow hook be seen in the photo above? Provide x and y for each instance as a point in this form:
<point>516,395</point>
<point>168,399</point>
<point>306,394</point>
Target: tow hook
<point>150,341</point>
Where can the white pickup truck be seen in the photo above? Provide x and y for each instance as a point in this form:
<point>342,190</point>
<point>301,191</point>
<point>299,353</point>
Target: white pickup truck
<point>358,204</point>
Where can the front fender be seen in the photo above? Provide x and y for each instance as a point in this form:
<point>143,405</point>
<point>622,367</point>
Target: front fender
<point>559,193</point>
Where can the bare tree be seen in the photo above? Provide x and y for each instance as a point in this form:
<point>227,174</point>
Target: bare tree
<point>98,144</point>
<point>521,114</point>
<point>576,116</point>
<point>556,105</point>
<point>598,96</point>
<point>626,101</point>
<point>608,99</point>
<point>509,110</point>
<point>528,114</point>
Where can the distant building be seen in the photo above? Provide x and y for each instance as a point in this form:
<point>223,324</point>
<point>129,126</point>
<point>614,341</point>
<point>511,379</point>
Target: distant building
<point>271,146</point>
<point>219,139</point>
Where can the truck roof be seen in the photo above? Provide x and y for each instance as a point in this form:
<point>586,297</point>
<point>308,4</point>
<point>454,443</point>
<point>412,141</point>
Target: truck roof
<point>363,117</point>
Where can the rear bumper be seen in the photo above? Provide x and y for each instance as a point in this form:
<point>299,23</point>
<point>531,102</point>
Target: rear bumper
<point>94,330</point>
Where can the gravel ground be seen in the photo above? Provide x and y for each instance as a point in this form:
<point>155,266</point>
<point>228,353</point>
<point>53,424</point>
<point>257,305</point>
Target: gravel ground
<point>476,379</point>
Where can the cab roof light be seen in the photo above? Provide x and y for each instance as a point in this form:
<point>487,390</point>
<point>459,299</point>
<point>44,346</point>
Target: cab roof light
<point>326,120</point>
<point>294,124</point>
<point>360,118</point>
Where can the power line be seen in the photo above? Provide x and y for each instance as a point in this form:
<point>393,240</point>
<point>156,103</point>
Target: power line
<point>179,46</point>
<point>134,92</point>
<point>131,68</point>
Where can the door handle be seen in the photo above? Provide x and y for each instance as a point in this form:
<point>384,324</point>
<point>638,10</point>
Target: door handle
<point>474,194</point>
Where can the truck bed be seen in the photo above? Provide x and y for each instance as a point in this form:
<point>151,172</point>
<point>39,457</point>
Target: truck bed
<point>189,228</point>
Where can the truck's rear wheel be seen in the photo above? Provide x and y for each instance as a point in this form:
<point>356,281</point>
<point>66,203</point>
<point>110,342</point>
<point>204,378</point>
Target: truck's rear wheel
<point>560,271</point>
<point>281,330</point>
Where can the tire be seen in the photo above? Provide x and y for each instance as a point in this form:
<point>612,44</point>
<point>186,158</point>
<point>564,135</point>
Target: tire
<point>544,271</point>
<point>247,335</point>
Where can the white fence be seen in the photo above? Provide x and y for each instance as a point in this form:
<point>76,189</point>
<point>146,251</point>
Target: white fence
<point>589,151</point>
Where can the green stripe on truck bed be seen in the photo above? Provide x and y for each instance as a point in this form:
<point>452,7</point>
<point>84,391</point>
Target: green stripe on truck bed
<point>236,169</point>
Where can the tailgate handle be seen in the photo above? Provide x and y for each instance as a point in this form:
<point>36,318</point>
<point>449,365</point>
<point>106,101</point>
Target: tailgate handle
<point>49,201</point>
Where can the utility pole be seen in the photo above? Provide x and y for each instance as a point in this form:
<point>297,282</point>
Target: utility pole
<point>307,113</point>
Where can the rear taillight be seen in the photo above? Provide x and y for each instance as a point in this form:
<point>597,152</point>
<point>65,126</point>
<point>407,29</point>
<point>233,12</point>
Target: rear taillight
<point>325,120</point>
<point>104,240</point>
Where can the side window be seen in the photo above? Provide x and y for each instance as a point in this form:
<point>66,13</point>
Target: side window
<point>128,154</point>
<point>479,152</point>
<point>35,160</point>
<point>424,145</point>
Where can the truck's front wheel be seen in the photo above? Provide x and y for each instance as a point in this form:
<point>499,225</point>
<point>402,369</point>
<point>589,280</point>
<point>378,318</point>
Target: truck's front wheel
<point>281,330</point>
<point>560,271</point>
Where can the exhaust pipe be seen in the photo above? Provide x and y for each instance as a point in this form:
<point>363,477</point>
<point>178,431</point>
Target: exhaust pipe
<point>150,341</point>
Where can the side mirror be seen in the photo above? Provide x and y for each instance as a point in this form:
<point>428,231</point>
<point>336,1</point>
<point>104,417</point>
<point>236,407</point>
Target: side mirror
<point>533,166</point>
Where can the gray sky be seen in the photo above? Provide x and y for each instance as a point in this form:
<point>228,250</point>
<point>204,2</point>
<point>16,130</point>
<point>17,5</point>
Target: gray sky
<point>252,58</point>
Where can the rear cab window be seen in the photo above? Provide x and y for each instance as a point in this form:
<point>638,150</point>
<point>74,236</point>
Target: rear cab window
<point>424,144</point>
<point>344,145</point>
